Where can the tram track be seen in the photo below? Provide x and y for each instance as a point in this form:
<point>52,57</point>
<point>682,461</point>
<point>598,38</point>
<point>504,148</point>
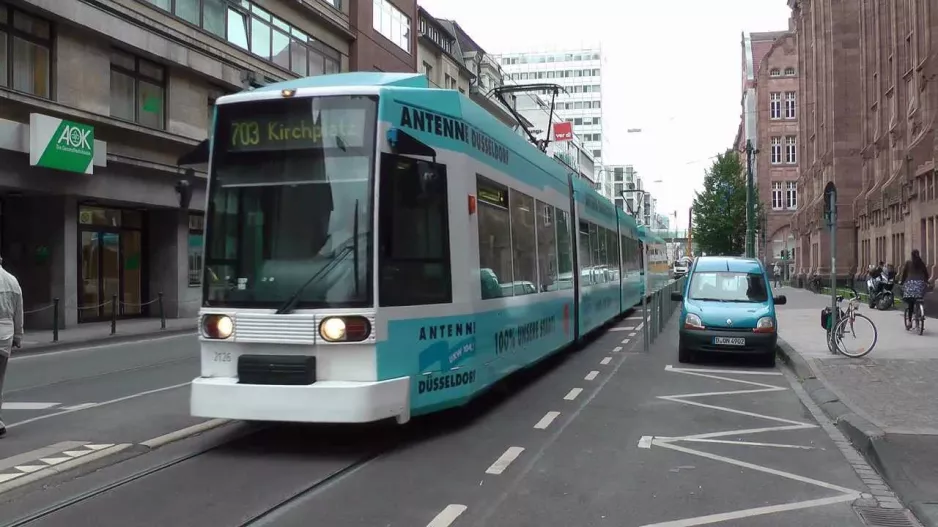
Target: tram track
<point>334,454</point>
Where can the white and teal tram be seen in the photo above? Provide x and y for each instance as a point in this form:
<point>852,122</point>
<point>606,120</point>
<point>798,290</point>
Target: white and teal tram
<point>376,248</point>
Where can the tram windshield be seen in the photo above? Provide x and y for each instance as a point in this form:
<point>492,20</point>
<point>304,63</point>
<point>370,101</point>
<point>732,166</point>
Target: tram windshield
<point>290,203</point>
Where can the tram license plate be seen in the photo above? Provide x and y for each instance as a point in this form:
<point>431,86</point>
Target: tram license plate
<point>729,341</point>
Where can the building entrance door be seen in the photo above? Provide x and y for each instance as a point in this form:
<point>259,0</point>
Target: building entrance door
<point>110,263</point>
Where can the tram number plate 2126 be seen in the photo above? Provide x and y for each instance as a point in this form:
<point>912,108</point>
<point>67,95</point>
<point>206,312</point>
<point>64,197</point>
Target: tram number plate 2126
<point>222,356</point>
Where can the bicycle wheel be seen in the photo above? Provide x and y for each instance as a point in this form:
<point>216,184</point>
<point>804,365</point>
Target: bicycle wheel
<point>856,338</point>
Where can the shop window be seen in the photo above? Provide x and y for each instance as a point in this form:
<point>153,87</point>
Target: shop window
<point>137,90</point>
<point>25,52</point>
<point>196,235</point>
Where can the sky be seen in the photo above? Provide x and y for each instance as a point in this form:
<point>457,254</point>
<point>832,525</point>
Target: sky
<point>672,68</point>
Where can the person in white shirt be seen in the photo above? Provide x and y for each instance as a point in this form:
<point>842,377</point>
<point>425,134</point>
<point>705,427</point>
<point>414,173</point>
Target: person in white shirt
<point>11,325</point>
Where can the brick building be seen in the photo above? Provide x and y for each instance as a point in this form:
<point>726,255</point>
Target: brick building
<point>829,72</point>
<point>870,101</point>
<point>769,121</point>
<point>134,81</point>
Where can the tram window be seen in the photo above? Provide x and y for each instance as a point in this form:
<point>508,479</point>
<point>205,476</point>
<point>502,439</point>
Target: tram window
<point>564,250</point>
<point>597,246</point>
<point>414,241</point>
<point>585,254</point>
<point>613,249</point>
<point>523,243</point>
<point>546,248</point>
<point>624,250</point>
<point>494,238</point>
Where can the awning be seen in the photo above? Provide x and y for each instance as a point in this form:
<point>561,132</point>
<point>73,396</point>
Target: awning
<point>196,156</point>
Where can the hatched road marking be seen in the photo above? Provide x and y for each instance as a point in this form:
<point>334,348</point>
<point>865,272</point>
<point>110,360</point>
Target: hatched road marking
<point>845,494</point>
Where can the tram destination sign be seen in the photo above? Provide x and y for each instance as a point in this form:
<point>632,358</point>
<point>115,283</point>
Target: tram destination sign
<point>334,128</point>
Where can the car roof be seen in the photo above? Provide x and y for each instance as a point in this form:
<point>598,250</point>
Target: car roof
<point>732,264</point>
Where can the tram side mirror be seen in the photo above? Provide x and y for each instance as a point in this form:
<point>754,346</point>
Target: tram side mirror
<point>780,300</point>
<point>677,296</point>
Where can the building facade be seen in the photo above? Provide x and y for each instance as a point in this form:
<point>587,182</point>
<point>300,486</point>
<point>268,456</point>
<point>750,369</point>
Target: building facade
<point>829,73</point>
<point>100,107</point>
<point>580,73</point>
<point>777,132</point>
<point>896,209</point>
<point>438,55</point>
<point>769,121</point>
<point>381,34</point>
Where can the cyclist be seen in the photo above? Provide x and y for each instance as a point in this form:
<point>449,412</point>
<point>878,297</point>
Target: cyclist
<point>914,279</point>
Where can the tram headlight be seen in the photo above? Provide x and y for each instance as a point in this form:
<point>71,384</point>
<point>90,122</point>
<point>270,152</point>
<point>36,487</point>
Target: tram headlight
<point>344,329</point>
<point>217,326</point>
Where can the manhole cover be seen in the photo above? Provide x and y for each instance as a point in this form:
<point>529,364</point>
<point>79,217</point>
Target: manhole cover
<point>876,517</point>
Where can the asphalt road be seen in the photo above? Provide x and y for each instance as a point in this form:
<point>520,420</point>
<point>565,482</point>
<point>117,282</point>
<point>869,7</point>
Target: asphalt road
<point>122,393</point>
<point>590,438</point>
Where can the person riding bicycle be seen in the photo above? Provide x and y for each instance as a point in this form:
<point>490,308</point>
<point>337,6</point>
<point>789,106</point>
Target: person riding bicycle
<point>875,271</point>
<point>914,279</point>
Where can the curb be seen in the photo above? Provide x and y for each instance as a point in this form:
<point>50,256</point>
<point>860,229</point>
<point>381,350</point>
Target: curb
<point>46,347</point>
<point>868,438</point>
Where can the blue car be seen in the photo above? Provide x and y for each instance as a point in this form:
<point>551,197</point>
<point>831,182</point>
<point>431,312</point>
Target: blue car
<point>728,307</point>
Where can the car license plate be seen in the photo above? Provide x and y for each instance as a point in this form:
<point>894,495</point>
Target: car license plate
<point>729,341</point>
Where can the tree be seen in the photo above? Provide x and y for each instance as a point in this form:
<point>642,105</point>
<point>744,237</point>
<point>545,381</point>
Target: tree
<point>720,209</point>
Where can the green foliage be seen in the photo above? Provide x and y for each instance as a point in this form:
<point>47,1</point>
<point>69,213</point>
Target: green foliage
<point>720,210</point>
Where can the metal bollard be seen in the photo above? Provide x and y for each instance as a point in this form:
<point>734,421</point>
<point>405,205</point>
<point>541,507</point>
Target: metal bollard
<point>114,307</point>
<point>162,313</point>
<point>55,319</point>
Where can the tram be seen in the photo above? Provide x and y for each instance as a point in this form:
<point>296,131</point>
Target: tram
<point>376,248</point>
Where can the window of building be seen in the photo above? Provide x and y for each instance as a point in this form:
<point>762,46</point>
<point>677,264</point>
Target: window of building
<point>789,71</point>
<point>597,153</point>
<point>790,150</point>
<point>392,23</point>
<point>789,105</point>
<point>413,252</point>
<point>777,195</point>
<point>428,71</point>
<point>791,195</point>
<point>775,105</point>
<point>196,232</point>
<point>250,27</point>
<point>776,153</point>
<point>775,72</point>
<point>137,90</point>
<point>25,52</point>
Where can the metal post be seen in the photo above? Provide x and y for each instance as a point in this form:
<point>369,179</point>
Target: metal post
<point>162,312</point>
<point>113,314</point>
<point>750,205</point>
<point>55,319</point>
<point>830,192</point>
<point>645,330</point>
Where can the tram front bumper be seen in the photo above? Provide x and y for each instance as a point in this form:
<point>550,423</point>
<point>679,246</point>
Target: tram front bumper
<point>321,402</point>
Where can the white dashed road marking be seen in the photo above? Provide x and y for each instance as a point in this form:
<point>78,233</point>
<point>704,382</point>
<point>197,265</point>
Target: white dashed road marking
<point>28,406</point>
<point>591,375</point>
<point>502,463</point>
<point>573,394</point>
<point>632,334</point>
<point>617,349</point>
<point>606,361</point>
<point>447,516</point>
<point>546,420</point>
<point>626,341</point>
<point>622,328</point>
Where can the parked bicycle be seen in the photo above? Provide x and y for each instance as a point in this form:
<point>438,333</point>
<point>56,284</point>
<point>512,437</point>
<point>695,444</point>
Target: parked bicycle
<point>849,321</point>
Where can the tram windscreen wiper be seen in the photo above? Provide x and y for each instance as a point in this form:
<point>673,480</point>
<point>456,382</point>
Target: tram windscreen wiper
<point>292,301</point>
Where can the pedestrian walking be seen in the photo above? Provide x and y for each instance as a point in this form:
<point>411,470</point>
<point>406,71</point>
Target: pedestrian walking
<point>11,326</point>
<point>777,270</point>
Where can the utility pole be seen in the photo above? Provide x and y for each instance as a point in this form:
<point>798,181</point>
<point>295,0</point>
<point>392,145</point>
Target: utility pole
<point>750,205</point>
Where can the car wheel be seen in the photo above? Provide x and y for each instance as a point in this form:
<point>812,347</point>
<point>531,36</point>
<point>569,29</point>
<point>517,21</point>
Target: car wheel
<point>685,355</point>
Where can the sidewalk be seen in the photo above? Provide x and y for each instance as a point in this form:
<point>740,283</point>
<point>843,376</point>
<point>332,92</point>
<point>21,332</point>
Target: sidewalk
<point>97,333</point>
<point>886,402</point>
